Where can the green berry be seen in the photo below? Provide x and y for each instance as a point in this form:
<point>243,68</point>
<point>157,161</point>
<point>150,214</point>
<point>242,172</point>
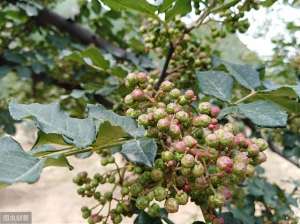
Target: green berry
<point>143,119</point>
<point>182,116</point>
<point>204,108</point>
<point>136,189</point>
<point>154,210</point>
<point>198,170</point>
<point>188,161</point>
<point>167,155</point>
<point>124,191</point>
<point>175,93</point>
<point>142,202</point>
<point>157,174</point>
<point>166,86</point>
<point>171,205</point>
<point>160,193</point>
<point>182,198</point>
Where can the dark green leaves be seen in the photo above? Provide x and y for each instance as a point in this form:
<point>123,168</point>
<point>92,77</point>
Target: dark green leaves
<point>181,7</point>
<point>245,74</point>
<point>129,125</point>
<point>51,119</point>
<point>91,56</point>
<point>141,151</point>
<point>215,83</point>
<point>17,165</point>
<point>261,113</point>
<point>141,6</point>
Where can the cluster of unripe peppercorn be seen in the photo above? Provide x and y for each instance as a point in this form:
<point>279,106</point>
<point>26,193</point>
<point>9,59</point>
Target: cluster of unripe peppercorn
<point>189,54</point>
<point>198,159</point>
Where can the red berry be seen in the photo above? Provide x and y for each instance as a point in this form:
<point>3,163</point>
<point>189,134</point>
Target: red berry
<point>189,141</point>
<point>214,111</point>
<point>190,95</point>
<point>187,188</point>
<point>180,146</point>
<point>138,94</point>
<point>163,124</point>
<point>225,164</point>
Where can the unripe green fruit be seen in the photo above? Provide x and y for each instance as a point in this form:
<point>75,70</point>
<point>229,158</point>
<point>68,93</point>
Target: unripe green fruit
<point>182,198</point>
<point>239,167</point>
<point>157,174</point>
<point>216,200</point>
<point>204,107</point>
<point>142,202</point>
<point>261,157</point>
<point>198,170</point>
<point>128,99</point>
<point>185,171</point>
<point>124,191</point>
<point>133,113</point>
<point>136,189</point>
<point>108,195</point>
<point>117,219</point>
<point>212,140</point>
<point>97,195</point>
<point>202,120</point>
<point>163,124</point>
<point>143,119</point>
<point>188,161</point>
<point>160,193</point>
<point>253,150</point>
<point>167,156</point>
<point>145,178</point>
<point>131,79</point>
<point>189,141</point>
<point>261,143</point>
<point>175,93</point>
<point>159,164</point>
<point>166,86</point>
<point>85,214</point>
<point>182,100</point>
<point>171,205</point>
<point>154,210</point>
<point>182,116</point>
<point>173,108</point>
<point>250,170</point>
<point>159,113</point>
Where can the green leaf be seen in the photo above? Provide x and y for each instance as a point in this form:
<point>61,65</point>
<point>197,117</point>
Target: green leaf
<point>101,114</point>
<point>245,74</point>
<point>53,160</point>
<point>166,4</point>
<point>181,7</point>
<point>264,113</point>
<point>228,110</point>
<point>52,120</point>
<point>90,56</point>
<point>141,151</point>
<point>285,96</point>
<point>51,138</point>
<point>109,134</point>
<point>141,6</point>
<point>215,83</point>
<point>16,165</point>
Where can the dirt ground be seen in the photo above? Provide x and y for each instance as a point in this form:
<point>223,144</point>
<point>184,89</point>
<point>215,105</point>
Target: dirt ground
<point>53,199</point>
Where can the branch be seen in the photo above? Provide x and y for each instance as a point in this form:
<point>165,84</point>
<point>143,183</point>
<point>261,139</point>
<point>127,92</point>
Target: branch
<point>46,17</point>
<point>164,73</point>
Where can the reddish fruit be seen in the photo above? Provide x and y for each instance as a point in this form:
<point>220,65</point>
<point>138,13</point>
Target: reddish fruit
<point>214,121</point>
<point>212,140</point>
<point>190,95</point>
<point>253,149</point>
<point>138,94</point>
<point>141,77</point>
<point>214,111</point>
<point>187,188</point>
<point>225,164</point>
<point>189,141</point>
<point>202,120</point>
<point>180,146</point>
<point>163,124</point>
<point>175,130</point>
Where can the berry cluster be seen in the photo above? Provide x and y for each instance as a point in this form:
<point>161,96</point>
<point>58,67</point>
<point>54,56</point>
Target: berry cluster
<point>199,159</point>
